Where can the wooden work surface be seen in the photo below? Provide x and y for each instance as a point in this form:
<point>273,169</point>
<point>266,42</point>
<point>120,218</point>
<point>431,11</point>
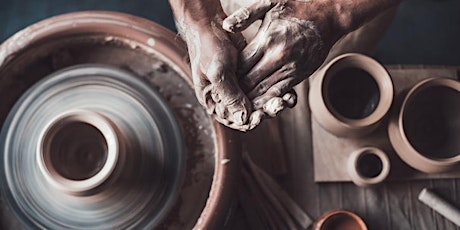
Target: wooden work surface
<point>391,205</point>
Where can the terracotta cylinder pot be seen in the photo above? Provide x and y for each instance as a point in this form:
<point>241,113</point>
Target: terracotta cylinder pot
<point>368,166</point>
<point>425,131</point>
<point>154,56</point>
<point>351,95</point>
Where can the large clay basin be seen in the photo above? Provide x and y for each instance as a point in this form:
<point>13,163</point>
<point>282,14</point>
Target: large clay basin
<point>156,56</point>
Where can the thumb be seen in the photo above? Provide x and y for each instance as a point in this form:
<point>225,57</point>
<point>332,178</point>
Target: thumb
<point>244,17</point>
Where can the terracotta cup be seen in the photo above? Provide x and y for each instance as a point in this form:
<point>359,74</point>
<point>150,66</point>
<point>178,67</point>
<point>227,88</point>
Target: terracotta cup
<point>339,220</point>
<point>368,166</point>
<point>425,131</point>
<point>350,95</point>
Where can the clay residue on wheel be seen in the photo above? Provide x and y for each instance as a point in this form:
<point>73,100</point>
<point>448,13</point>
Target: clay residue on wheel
<point>25,68</point>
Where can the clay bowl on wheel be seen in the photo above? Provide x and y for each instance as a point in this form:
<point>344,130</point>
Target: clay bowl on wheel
<point>123,81</point>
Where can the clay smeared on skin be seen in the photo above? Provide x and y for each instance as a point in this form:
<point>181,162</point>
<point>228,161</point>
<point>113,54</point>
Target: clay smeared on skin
<point>292,42</point>
<point>285,51</point>
<point>213,55</point>
<point>214,74</point>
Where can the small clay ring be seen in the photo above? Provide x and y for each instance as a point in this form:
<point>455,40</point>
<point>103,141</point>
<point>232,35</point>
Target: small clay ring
<point>368,166</point>
<point>47,155</point>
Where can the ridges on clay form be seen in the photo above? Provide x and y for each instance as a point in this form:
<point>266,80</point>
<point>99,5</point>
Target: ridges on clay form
<point>351,95</point>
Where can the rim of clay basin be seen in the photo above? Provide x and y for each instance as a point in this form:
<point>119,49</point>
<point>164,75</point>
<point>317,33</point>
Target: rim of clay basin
<point>170,49</point>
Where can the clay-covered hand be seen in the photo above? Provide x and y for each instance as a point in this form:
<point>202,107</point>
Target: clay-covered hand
<point>213,55</point>
<point>292,42</point>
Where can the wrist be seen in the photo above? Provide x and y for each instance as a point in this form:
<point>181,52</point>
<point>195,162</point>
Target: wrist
<point>196,14</point>
<point>350,15</point>
<point>323,15</point>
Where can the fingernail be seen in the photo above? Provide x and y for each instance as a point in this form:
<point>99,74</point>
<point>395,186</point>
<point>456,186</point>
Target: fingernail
<point>239,117</point>
<point>273,106</point>
<point>257,104</point>
<point>255,119</point>
<point>290,99</point>
<point>221,111</point>
<point>215,97</point>
<point>236,20</point>
<point>227,25</point>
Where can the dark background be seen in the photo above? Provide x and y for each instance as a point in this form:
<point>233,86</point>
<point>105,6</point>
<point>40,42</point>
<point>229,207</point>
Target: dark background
<point>424,31</point>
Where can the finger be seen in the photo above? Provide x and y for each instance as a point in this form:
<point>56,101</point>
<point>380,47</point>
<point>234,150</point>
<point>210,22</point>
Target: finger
<point>221,111</point>
<point>232,99</point>
<point>277,104</point>
<point>255,118</point>
<point>244,17</point>
<point>273,106</point>
<point>243,128</point>
<point>201,86</point>
<point>285,72</point>
<point>267,65</point>
<point>249,57</point>
<point>238,41</point>
<point>277,90</point>
<point>290,98</point>
<point>210,104</point>
<point>226,92</point>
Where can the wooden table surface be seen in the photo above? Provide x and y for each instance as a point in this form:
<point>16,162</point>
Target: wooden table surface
<point>392,205</point>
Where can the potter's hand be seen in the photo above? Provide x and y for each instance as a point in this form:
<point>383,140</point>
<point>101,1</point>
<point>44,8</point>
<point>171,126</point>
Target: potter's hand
<point>291,44</point>
<point>213,56</point>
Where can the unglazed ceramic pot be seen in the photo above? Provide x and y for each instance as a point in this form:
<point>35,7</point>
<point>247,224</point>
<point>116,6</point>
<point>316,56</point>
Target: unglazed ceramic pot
<point>125,83</point>
<point>368,166</point>
<point>339,219</point>
<point>73,133</point>
<point>425,131</point>
<point>351,95</point>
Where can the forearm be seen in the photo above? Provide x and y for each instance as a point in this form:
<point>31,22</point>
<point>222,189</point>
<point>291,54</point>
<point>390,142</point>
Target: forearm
<point>196,12</point>
<point>335,18</point>
<point>351,14</point>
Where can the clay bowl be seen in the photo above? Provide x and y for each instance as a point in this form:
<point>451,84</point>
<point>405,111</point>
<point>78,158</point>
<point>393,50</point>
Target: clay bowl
<point>368,166</point>
<point>351,95</point>
<point>134,55</point>
<point>64,135</point>
<point>425,131</point>
<point>339,220</point>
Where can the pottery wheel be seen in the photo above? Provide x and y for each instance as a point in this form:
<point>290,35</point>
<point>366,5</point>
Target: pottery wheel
<point>91,146</point>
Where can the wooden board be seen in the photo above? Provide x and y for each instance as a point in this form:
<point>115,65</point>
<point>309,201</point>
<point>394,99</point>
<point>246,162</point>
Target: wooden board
<point>330,153</point>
